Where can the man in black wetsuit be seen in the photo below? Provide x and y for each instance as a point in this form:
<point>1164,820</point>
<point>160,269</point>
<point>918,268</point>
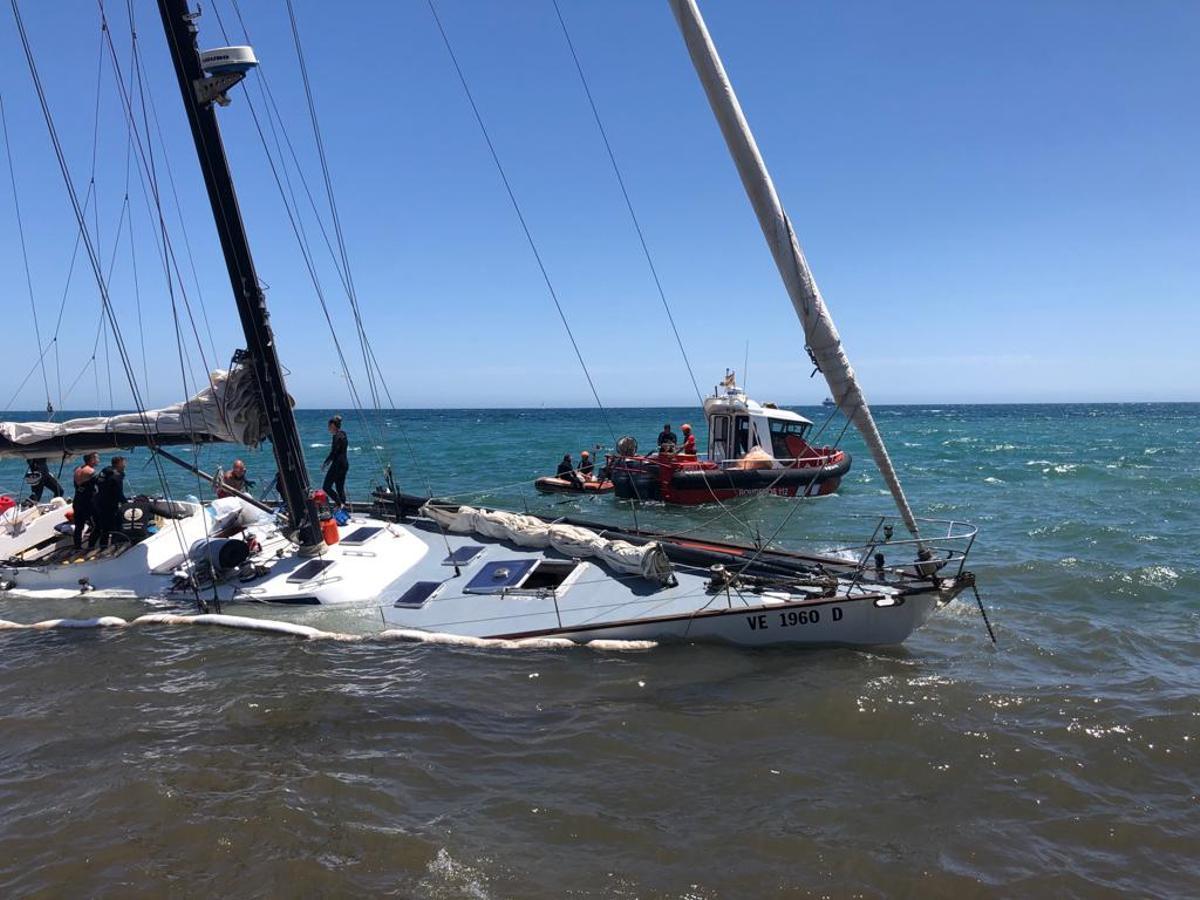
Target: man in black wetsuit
<point>39,478</point>
<point>338,463</point>
<point>110,494</point>
<point>84,504</point>
<point>667,437</point>
<point>566,470</point>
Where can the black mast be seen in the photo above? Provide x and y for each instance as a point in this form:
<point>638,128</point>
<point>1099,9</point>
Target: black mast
<point>180,28</point>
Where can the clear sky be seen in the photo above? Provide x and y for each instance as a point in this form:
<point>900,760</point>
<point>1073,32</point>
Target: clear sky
<point>1000,201</point>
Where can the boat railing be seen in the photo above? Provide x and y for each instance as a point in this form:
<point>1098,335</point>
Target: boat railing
<point>948,545</point>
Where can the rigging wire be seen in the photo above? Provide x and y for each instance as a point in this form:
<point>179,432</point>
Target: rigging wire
<point>37,328</point>
<point>274,115</point>
<point>462,78</point>
<point>351,293</point>
<point>108,312</point>
<point>341,265</point>
<point>300,234</point>
<point>520,216</point>
<point>637,225</point>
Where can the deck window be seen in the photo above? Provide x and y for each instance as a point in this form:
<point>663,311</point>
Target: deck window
<point>522,576</point>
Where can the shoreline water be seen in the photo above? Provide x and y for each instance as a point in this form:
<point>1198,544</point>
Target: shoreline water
<point>1063,761</point>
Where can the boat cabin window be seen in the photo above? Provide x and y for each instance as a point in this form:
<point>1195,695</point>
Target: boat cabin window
<point>741,436</point>
<point>787,438</point>
<point>521,576</point>
<point>719,445</point>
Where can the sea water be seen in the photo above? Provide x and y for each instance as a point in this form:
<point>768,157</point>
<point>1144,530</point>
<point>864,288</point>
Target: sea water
<point>1062,761</point>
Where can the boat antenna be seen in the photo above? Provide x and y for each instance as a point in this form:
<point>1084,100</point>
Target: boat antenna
<point>824,344</point>
<point>199,93</point>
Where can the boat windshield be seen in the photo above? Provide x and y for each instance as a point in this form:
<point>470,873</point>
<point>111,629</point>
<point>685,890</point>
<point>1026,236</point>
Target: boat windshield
<point>787,438</point>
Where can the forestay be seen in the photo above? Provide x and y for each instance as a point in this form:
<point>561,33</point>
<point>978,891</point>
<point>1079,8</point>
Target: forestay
<point>820,333</point>
<point>226,411</point>
<point>647,560</point>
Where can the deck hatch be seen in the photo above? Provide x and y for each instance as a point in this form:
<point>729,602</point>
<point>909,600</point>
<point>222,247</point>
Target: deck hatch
<point>310,570</point>
<point>500,576</point>
<point>362,534</point>
<point>460,556</point>
<point>418,595</point>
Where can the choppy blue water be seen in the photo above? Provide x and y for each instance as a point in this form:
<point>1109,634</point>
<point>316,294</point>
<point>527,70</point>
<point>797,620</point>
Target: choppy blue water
<point>1061,762</point>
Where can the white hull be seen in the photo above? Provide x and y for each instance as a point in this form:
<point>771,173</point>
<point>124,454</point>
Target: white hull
<point>380,564</point>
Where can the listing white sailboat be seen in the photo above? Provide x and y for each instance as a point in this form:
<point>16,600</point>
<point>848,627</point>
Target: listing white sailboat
<point>439,568</point>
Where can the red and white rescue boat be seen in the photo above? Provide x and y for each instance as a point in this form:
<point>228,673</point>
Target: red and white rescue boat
<point>752,449</point>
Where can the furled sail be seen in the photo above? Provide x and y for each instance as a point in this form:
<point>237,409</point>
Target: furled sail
<point>227,411</point>
<point>820,333</point>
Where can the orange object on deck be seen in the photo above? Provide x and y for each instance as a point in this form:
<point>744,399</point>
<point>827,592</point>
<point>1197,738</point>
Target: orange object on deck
<point>329,531</point>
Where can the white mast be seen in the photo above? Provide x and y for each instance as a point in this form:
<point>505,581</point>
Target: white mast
<point>819,331</point>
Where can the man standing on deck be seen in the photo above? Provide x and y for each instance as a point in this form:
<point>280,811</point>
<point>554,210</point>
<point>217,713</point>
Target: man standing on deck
<point>338,463</point>
<point>84,503</point>
<point>110,494</point>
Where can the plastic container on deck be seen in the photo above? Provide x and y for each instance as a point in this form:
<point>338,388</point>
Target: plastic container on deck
<point>329,531</point>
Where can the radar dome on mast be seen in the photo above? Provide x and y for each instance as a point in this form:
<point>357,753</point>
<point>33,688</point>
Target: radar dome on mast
<point>225,60</point>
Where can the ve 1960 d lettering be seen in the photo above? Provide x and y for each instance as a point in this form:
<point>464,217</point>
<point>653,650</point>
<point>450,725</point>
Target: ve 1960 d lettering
<point>794,617</point>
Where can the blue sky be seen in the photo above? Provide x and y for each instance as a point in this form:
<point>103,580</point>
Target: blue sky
<point>1001,202</point>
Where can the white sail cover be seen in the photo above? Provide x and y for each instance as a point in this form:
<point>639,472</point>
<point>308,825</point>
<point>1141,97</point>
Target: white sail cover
<point>820,333</point>
<point>228,410</point>
<point>648,560</point>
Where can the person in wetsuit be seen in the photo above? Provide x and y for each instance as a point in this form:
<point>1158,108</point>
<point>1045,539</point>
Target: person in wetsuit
<point>39,478</point>
<point>337,462</point>
<point>566,470</point>
<point>666,439</point>
<point>110,494</point>
<point>84,503</point>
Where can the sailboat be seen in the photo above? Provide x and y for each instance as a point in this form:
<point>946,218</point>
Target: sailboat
<point>439,568</point>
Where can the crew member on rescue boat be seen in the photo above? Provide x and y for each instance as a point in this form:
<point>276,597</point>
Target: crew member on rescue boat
<point>585,465</point>
<point>689,441</point>
<point>666,439</point>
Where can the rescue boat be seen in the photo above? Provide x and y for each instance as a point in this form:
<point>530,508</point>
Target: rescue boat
<point>753,448</point>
